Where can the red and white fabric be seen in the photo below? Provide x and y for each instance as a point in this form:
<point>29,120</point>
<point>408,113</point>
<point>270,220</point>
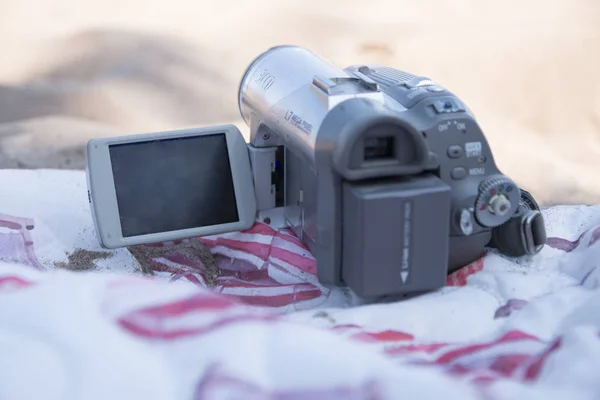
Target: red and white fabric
<point>500,329</point>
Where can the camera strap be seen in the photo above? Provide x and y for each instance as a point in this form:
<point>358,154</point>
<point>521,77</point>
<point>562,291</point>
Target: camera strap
<point>523,234</point>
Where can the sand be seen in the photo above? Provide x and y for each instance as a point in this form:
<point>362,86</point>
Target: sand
<point>197,254</point>
<point>82,260</point>
<point>73,70</point>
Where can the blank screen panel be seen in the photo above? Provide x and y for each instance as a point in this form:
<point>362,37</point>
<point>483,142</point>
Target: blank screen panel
<point>173,184</point>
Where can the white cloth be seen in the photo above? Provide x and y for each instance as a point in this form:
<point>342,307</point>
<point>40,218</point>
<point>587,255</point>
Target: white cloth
<point>501,329</point>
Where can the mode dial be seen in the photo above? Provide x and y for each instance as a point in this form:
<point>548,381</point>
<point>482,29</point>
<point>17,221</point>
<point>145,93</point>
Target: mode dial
<point>497,201</point>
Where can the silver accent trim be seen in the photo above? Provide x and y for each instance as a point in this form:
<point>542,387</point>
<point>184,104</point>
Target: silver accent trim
<point>527,234</point>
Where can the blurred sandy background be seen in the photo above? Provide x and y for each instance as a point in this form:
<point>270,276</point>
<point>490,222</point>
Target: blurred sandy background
<point>529,69</point>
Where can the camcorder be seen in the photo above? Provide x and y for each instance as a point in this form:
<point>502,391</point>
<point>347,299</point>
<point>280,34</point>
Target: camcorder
<point>385,176</point>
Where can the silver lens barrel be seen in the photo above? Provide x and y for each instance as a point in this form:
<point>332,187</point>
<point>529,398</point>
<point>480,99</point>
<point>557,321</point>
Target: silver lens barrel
<point>277,73</point>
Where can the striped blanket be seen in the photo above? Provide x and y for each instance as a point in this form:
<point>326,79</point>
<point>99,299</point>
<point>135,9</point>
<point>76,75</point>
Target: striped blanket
<point>266,329</point>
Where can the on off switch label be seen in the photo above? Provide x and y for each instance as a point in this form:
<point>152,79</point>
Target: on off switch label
<point>473,149</point>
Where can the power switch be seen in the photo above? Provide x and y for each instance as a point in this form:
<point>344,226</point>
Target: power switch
<point>447,106</point>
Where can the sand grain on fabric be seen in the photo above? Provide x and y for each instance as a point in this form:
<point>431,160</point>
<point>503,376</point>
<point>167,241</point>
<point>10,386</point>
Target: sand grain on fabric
<point>82,260</point>
<point>193,250</point>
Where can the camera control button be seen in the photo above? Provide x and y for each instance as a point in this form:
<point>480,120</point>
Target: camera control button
<point>497,201</point>
<point>455,151</point>
<point>435,88</point>
<point>466,222</point>
<point>458,173</point>
<point>499,204</point>
<point>447,106</point>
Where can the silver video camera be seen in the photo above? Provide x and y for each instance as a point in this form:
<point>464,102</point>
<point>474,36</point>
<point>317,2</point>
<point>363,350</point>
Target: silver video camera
<point>384,175</point>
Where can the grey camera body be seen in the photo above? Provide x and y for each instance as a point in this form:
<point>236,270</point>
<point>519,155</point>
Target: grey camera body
<point>386,176</point>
